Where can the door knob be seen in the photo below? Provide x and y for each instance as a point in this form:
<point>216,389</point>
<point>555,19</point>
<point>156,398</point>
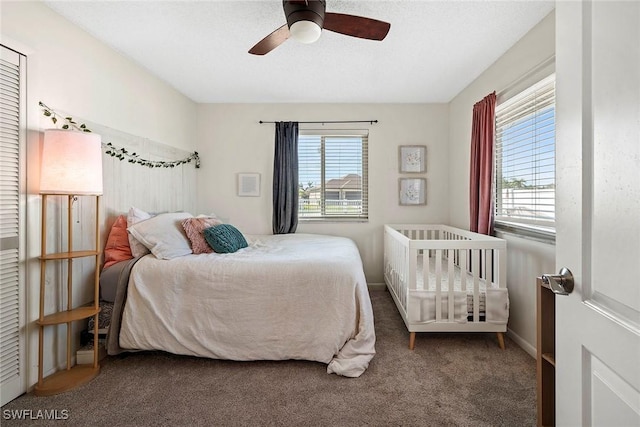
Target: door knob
<point>561,283</point>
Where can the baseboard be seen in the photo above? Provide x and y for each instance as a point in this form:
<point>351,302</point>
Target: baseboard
<point>522,343</point>
<point>376,286</point>
<point>84,355</point>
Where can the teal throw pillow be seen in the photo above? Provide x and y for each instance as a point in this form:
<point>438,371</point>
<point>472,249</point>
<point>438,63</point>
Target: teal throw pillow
<point>224,238</point>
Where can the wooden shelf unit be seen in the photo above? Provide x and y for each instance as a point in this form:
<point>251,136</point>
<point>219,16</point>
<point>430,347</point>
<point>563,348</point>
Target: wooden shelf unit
<point>68,316</point>
<point>546,350</point>
<point>74,375</point>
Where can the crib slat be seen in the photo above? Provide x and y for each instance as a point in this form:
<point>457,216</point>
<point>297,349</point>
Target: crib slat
<point>406,284</point>
<point>476,284</point>
<point>501,270</point>
<point>413,268</point>
<point>402,269</point>
<point>464,268</point>
<point>488,266</point>
<point>425,270</point>
<point>438,261</point>
<point>451,285</point>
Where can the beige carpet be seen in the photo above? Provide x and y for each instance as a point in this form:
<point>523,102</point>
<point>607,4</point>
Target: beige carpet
<point>448,380</point>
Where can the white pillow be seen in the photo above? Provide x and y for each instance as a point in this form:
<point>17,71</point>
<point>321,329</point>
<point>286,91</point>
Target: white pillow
<point>135,216</point>
<point>163,235</point>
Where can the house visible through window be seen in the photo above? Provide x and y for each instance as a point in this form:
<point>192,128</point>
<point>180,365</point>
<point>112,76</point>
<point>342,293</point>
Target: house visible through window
<point>332,174</point>
<point>525,161</point>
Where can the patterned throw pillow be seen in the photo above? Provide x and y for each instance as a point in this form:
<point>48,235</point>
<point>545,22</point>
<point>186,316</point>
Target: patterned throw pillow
<point>194,227</point>
<point>225,238</point>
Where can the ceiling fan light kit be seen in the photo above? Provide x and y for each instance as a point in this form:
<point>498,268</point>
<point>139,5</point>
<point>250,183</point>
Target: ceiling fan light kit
<point>305,31</point>
<point>307,18</point>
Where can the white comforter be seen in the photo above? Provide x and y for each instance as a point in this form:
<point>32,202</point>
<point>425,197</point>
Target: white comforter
<point>294,296</point>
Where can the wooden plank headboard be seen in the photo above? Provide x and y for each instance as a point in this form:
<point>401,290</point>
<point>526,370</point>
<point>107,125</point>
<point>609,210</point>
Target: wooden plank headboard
<point>156,189</point>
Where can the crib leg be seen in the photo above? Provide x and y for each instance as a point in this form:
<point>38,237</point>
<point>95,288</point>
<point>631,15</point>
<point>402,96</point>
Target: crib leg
<point>501,340</point>
<point>412,340</point>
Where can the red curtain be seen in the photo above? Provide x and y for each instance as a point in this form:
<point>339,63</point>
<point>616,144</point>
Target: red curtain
<point>481,176</point>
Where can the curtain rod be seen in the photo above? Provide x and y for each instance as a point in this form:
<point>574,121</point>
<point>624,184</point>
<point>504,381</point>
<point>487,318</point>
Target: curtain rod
<point>331,121</point>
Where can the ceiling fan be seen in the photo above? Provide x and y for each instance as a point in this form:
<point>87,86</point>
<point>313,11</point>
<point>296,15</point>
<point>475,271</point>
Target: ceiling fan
<point>307,18</point>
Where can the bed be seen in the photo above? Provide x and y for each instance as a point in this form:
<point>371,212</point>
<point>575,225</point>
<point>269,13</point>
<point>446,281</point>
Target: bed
<point>444,279</point>
<point>293,296</point>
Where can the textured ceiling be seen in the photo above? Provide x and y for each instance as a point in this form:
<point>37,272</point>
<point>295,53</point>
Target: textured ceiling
<point>433,50</point>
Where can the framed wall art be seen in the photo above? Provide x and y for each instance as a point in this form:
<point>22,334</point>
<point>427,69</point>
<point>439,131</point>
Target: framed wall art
<point>412,191</point>
<point>412,158</point>
<point>249,184</point>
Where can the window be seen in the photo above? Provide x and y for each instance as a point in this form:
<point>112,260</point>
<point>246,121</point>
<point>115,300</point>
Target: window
<point>332,174</point>
<point>525,161</point>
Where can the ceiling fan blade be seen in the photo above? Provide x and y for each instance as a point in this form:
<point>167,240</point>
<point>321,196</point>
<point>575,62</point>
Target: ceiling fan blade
<point>271,42</point>
<point>356,26</point>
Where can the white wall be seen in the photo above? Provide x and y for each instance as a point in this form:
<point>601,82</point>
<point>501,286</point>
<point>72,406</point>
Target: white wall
<point>527,259</point>
<point>75,74</point>
<point>71,71</point>
<point>232,141</point>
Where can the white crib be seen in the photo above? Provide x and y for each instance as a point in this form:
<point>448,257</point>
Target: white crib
<point>445,279</point>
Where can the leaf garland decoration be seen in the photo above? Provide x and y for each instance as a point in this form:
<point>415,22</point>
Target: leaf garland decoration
<point>119,152</point>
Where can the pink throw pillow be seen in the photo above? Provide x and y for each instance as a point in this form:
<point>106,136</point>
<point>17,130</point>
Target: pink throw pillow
<point>194,227</point>
<point>117,248</point>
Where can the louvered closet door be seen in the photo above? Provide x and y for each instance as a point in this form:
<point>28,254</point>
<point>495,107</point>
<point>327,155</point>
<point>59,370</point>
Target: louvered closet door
<point>12,354</point>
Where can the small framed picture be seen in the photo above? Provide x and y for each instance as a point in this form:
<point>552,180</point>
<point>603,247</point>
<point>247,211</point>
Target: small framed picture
<point>249,184</point>
<point>412,158</point>
<point>412,191</point>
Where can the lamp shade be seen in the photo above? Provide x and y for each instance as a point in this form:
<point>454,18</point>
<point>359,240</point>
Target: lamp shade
<point>71,163</point>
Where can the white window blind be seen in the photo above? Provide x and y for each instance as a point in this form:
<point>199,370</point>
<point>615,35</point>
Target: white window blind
<point>525,160</point>
<point>332,174</point>
<point>11,339</point>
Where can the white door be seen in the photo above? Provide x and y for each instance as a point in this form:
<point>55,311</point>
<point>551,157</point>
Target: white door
<point>598,212</point>
<point>12,230</point>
